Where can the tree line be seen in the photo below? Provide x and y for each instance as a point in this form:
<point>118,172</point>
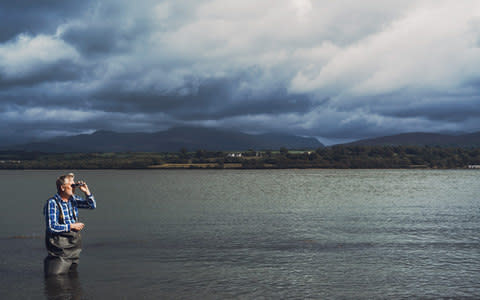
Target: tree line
<point>342,157</point>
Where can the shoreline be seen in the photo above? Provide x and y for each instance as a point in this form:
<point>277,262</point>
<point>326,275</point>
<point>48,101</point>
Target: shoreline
<point>324,158</point>
<point>225,169</point>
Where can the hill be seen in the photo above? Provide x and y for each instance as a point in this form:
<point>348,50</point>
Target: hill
<point>422,139</point>
<point>172,140</point>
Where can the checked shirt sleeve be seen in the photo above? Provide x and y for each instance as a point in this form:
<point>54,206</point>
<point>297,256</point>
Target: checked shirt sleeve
<point>85,203</point>
<point>52,215</point>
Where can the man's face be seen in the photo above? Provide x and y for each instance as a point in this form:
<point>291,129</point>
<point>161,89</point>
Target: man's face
<point>67,186</point>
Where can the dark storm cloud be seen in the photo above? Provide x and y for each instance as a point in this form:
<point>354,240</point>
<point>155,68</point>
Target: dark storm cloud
<point>338,70</point>
<point>56,72</point>
<point>36,17</point>
<point>212,99</point>
<point>102,37</point>
<point>447,110</point>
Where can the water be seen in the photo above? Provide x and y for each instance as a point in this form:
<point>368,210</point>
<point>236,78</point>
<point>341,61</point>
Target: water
<point>224,234</point>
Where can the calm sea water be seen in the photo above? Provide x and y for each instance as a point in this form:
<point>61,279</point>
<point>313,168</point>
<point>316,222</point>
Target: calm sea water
<point>222,234</point>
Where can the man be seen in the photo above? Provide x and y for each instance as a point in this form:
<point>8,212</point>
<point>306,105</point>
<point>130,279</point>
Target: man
<point>62,236</point>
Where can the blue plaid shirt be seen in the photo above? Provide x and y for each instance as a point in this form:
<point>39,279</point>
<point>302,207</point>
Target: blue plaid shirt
<point>69,211</point>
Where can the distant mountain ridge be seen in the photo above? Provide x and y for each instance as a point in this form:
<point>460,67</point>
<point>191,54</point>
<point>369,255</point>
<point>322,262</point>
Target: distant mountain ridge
<point>171,140</point>
<point>423,139</point>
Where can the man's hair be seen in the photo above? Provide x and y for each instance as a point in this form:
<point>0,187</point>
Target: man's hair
<point>61,180</point>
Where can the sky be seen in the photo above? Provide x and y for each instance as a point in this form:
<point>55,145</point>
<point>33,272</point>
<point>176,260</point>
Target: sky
<point>336,70</point>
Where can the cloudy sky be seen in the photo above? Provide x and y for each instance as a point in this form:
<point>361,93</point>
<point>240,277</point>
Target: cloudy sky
<point>337,70</point>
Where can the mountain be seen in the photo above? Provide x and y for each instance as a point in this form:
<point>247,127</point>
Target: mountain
<point>423,139</point>
<point>172,140</point>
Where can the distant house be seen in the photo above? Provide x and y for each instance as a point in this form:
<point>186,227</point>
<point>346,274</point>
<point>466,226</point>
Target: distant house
<point>474,166</point>
<point>10,161</point>
<point>236,154</point>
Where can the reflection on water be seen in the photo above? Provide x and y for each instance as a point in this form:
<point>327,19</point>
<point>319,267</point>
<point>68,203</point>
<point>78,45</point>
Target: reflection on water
<point>65,286</point>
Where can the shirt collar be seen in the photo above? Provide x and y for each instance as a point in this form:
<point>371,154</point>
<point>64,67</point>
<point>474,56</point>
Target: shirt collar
<point>59,198</point>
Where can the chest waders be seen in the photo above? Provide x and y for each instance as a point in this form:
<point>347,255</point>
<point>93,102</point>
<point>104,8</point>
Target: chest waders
<point>63,248</point>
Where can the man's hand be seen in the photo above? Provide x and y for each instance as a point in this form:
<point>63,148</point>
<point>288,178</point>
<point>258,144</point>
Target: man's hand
<point>77,226</point>
<point>84,187</point>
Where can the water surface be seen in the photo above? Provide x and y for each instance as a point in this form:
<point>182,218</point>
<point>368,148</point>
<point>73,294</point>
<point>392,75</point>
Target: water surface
<point>248,234</point>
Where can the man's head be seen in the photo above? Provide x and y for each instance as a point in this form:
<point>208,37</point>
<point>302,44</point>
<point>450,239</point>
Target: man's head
<point>64,184</point>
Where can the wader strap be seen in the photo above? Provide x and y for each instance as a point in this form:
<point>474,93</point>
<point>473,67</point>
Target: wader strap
<point>61,215</point>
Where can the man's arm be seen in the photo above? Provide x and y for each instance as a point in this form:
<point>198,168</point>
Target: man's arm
<point>52,214</point>
<point>89,202</point>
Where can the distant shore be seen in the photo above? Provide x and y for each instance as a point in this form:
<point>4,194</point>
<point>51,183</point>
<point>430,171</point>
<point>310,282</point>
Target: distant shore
<point>337,157</point>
